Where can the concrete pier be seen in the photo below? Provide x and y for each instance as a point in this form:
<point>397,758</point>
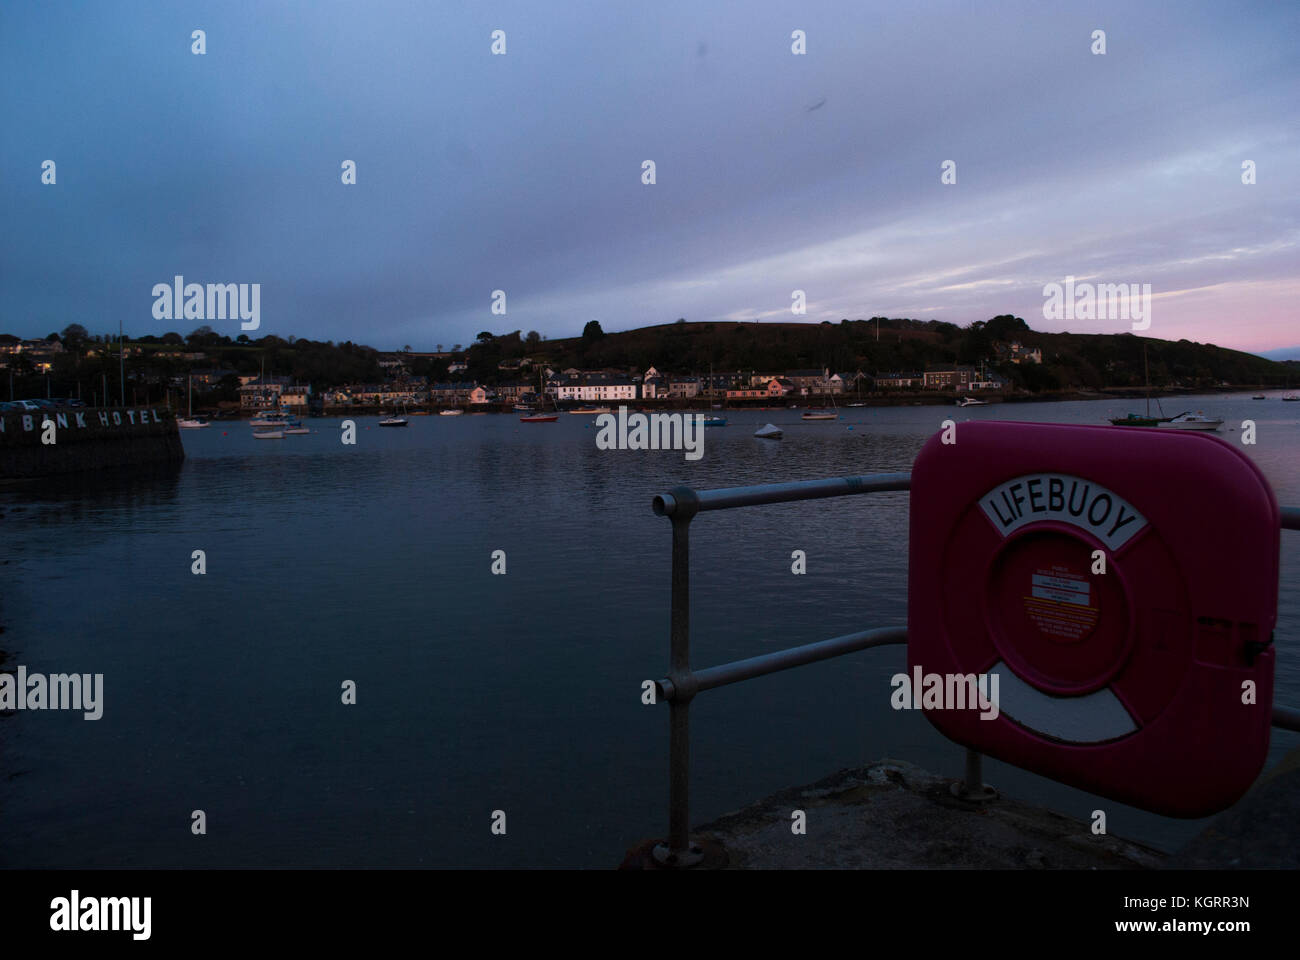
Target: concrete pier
<point>893,814</point>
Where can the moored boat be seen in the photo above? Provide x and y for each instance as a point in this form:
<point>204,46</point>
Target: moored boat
<point>1193,421</point>
<point>715,421</point>
<point>1137,420</point>
<point>768,431</point>
<point>450,413</point>
<point>393,421</point>
<point>819,415</point>
<point>268,434</point>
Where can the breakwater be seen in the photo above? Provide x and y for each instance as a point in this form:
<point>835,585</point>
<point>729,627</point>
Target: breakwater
<point>39,443</point>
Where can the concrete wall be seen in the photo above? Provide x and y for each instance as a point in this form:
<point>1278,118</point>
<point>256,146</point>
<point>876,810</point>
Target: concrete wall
<point>87,438</point>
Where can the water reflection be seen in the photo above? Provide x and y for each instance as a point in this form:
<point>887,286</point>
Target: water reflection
<point>372,563</point>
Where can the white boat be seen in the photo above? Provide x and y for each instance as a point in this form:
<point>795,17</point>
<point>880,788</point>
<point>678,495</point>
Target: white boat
<point>188,422</point>
<point>450,413</point>
<point>1193,421</point>
<point>769,432</point>
<point>972,402</point>
<point>393,421</point>
<point>268,434</point>
<point>297,428</point>
<point>1292,397</point>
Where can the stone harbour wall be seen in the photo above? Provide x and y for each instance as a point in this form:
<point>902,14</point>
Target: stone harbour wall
<point>38,443</point>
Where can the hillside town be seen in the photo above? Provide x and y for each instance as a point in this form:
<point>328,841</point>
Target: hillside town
<point>684,365</point>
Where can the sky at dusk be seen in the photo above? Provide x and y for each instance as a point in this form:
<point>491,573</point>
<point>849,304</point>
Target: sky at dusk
<point>774,171</point>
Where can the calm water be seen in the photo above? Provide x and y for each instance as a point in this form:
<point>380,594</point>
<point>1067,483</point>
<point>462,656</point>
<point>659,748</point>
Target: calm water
<point>476,692</point>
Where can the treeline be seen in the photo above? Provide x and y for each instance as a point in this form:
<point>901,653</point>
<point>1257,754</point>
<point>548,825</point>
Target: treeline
<point>1069,360</point>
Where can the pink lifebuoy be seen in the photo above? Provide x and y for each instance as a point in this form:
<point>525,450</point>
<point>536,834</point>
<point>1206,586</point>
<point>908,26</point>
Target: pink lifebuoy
<point>1121,584</point>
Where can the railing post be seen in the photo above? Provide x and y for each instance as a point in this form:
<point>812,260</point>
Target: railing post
<point>973,789</point>
<point>679,851</point>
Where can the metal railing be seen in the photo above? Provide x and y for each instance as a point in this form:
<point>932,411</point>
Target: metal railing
<point>680,505</point>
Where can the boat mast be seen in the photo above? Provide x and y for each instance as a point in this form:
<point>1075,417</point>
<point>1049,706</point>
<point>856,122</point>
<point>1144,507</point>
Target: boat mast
<point>1146,376</point>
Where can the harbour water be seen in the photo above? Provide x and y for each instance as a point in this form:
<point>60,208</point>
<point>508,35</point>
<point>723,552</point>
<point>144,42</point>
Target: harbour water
<point>475,692</point>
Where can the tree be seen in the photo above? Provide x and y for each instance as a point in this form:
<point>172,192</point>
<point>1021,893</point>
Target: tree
<point>532,340</point>
<point>592,331</point>
<point>74,334</point>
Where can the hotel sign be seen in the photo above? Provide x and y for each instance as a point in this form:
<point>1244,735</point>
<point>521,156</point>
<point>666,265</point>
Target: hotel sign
<point>79,419</point>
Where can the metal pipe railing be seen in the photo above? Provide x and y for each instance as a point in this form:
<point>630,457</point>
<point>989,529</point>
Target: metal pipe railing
<point>711,677</point>
<point>680,505</point>
<point>668,504</point>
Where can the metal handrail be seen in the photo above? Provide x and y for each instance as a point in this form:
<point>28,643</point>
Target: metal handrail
<point>680,505</point>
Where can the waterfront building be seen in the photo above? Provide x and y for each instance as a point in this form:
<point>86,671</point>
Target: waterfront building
<point>948,376</point>
<point>899,380</point>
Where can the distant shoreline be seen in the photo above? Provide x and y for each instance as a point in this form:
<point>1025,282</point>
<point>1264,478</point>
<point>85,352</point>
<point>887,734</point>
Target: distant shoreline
<point>707,405</point>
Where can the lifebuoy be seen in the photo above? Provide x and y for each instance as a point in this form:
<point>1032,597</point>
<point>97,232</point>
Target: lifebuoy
<point>1122,586</point>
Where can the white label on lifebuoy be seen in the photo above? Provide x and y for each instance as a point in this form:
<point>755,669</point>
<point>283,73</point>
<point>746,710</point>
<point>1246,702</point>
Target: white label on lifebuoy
<point>1057,496</point>
<point>1094,718</point>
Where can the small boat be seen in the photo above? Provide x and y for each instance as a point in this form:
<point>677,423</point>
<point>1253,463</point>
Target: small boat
<point>523,408</point>
<point>540,418</point>
<point>857,404</point>
<point>1259,396</point>
<point>296,429</point>
<point>1143,419</point>
<point>972,402</point>
<point>1291,397</point>
<point>268,434</point>
<point>450,413</point>
<point>1193,421</point>
<point>189,421</point>
<point>819,415</point>
<point>715,421</point>
<point>589,411</point>
<point>1137,420</point>
<point>393,421</point>
<point>768,432</point>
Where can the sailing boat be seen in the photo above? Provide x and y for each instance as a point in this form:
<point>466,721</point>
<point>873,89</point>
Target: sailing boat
<point>539,416</point>
<point>822,414</point>
<point>189,423</point>
<point>1136,420</point>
